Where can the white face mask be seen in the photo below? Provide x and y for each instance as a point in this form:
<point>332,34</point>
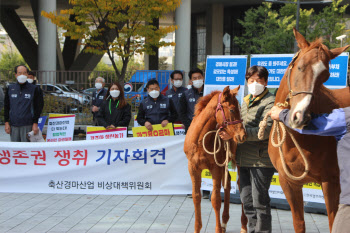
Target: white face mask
<point>30,80</point>
<point>21,79</point>
<point>114,93</point>
<point>198,83</point>
<point>255,88</point>
<point>189,86</point>
<point>98,86</point>
<point>154,94</point>
<point>177,83</point>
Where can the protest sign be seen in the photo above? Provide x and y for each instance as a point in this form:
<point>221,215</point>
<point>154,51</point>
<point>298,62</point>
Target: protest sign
<point>225,71</point>
<point>98,133</point>
<point>60,128</point>
<point>158,130</point>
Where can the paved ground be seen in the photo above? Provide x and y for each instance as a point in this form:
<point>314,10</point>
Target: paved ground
<point>23,212</point>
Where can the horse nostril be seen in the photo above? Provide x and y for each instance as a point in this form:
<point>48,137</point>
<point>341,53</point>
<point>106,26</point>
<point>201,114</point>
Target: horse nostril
<point>297,116</point>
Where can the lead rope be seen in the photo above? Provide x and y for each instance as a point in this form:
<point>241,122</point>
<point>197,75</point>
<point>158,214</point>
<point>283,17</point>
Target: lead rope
<point>275,129</point>
<point>229,155</point>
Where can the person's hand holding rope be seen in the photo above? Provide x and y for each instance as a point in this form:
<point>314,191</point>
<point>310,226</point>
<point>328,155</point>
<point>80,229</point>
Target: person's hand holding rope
<point>275,113</point>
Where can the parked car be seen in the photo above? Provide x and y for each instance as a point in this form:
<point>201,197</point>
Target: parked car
<point>66,91</point>
<point>89,91</point>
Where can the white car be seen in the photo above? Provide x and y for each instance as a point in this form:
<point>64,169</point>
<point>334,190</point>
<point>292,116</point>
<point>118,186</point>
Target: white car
<point>65,91</point>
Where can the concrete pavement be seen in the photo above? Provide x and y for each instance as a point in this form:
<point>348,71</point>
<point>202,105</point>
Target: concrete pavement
<point>55,213</point>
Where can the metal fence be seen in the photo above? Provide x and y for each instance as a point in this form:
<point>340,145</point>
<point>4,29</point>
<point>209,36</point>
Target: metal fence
<point>70,92</point>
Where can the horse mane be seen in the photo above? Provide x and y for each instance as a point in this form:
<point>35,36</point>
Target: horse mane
<point>318,44</point>
<point>203,101</point>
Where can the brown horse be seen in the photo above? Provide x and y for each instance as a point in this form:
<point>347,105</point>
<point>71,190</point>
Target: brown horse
<point>209,114</point>
<point>303,88</point>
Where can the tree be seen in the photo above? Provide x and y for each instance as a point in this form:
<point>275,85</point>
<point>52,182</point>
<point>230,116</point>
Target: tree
<point>329,23</point>
<point>116,27</point>
<point>10,58</point>
<point>268,30</point>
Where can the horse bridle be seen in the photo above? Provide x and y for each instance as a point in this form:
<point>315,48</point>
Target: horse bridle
<point>292,93</point>
<point>225,123</point>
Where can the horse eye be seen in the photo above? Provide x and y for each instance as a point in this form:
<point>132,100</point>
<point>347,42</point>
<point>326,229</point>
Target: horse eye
<point>232,111</point>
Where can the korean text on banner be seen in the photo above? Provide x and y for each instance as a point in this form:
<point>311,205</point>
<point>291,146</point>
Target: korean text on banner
<point>98,133</point>
<point>158,130</point>
<point>222,71</point>
<point>277,65</point>
<point>130,166</point>
<point>60,128</point>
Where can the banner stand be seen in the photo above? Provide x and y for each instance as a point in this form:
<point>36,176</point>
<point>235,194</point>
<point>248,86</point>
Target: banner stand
<point>315,208</point>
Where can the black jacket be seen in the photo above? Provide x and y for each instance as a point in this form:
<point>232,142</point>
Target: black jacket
<point>156,111</point>
<point>23,104</point>
<point>187,103</point>
<point>175,97</point>
<point>110,115</point>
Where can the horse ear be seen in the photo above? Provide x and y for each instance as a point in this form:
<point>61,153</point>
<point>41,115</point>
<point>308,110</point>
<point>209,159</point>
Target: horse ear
<point>226,94</point>
<point>337,51</point>
<point>302,42</point>
<point>234,92</point>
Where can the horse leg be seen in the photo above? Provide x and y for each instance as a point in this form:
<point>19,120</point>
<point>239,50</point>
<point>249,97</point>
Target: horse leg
<point>217,173</point>
<point>244,219</point>
<point>331,192</point>
<point>196,196</point>
<point>294,196</point>
<point>226,212</point>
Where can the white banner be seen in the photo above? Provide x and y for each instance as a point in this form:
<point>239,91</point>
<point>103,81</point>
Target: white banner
<point>131,166</point>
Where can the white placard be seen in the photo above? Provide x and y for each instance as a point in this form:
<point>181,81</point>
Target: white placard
<point>100,133</point>
<point>60,128</point>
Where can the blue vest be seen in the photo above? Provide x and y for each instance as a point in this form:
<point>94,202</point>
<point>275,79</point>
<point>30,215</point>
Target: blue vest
<point>97,100</point>
<point>156,111</point>
<point>21,104</point>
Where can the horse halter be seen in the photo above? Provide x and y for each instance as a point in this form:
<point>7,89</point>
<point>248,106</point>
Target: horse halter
<point>292,93</point>
<point>225,123</point>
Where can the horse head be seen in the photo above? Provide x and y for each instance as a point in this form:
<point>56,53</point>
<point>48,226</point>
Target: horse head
<point>228,114</point>
<point>306,74</point>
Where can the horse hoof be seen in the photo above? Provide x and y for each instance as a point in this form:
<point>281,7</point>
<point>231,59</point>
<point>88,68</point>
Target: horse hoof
<point>223,229</point>
<point>243,230</point>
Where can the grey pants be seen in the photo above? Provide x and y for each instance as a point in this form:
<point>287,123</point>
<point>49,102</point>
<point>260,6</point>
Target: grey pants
<point>19,134</point>
<point>341,222</point>
<point>254,191</point>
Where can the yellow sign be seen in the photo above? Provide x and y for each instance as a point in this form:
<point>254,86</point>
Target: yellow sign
<point>275,180</point>
<point>312,186</point>
<point>158,130</point>
<point>206,174</point>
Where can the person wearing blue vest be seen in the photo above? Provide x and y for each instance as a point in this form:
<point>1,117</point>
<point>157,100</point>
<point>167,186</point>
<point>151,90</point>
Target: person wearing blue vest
<point>189,99</point>
<point>114,110</point>
<point>177,90</point>
<point>23,105</point>
<point>97,98</point>
<point>155,108</point>
<point>336,124</point>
